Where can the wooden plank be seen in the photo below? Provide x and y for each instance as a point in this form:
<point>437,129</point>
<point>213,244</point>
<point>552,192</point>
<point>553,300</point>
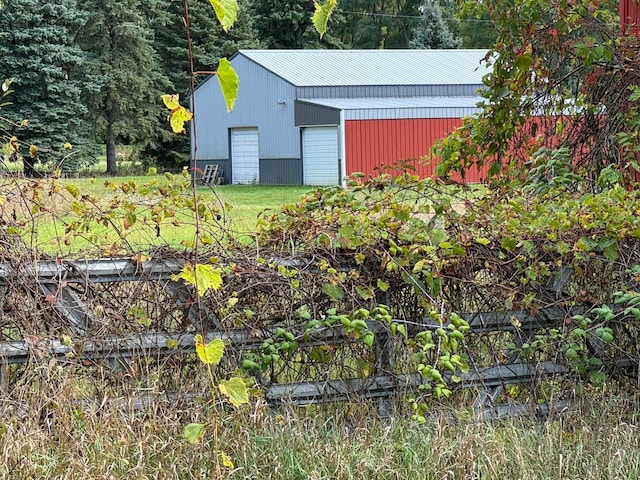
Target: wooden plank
<point>308,393</point>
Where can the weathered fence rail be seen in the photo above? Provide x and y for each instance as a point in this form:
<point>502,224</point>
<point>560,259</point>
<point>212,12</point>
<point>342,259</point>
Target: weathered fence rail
<point>57,287</point>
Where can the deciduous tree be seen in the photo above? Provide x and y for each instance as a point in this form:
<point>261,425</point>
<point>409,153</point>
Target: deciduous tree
<point>561,77</point>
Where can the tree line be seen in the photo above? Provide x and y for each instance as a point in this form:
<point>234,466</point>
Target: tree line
<point>88,73</point>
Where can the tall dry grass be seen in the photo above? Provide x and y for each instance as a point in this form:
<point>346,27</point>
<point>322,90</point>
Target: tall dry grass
<point>47,433</point>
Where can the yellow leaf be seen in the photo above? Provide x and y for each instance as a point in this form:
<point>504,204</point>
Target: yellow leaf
<point>171,101</point>
<point>226,461</point>
<point>68,146</point>
<point>178,118</point>
<point>33,151</point>
<point>210,353</point>
<point>179,114</point>
<point>322,14</point>
<point>226,11</point>
<point>203,277</point>
<point>229,83</point>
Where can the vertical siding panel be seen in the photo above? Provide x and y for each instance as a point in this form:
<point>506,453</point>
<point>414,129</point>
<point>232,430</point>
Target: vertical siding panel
<point>629,17</point>
<point>371,144</point>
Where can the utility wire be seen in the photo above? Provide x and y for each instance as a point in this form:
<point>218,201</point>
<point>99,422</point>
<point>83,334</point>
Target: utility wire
<point>397,15</point>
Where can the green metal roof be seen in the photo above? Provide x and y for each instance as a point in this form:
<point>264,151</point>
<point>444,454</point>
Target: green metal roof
<point>308,68</point>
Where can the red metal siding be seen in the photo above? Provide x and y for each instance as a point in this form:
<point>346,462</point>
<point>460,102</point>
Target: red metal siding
<point>374,144</point>
<point>630,17</point>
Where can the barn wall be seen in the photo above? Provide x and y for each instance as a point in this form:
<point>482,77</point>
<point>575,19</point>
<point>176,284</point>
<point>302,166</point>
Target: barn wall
<point>280,171</point>
<point>372,144</point>
<point>630,17</point>
<point>264,101</point>
<point>310,114</point>
<point>387,91</point>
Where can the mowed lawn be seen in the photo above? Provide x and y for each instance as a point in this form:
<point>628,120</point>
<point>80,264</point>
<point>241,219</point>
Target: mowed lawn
<point>246,201</point>
<point>235,209</point>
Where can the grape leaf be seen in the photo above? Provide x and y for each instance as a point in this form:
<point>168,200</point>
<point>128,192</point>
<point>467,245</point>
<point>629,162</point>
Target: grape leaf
<point>322,14</point>
<point>229,83</point>
<point>203,277</point>
<point>209,353</point>
<point>226,11</point>
<point>193,432</point>
<point>179,115</point>
<point>235,390</point>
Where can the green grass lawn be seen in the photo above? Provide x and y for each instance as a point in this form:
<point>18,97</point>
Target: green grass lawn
<point>247,200</point>
<point>235,210</point>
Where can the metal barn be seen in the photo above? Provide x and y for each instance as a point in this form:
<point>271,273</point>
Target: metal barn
<point>313,117</point>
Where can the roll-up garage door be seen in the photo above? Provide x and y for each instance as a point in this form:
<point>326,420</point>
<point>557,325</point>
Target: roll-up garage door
<point>320,164</point>
<point>245,157</point>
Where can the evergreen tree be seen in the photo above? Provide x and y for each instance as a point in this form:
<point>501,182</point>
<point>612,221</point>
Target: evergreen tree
<point>209,43</point>
<point>37,47</point>
<point>287,24</point>
<point>433,31</point>
<point>127,107</point>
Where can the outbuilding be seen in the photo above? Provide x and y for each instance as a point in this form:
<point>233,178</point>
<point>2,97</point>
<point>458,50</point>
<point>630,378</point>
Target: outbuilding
<point>313,117</point>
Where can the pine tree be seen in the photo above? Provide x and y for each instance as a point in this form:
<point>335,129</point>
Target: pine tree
<point>287,24</point>
<point>127,107</point>
<point>433,31</point>
<point>37,45</point>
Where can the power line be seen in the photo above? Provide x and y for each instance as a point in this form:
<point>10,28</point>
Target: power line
<point>397,15</point>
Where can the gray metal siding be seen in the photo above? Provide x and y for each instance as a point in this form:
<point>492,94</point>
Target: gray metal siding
<point>264,101</point>
<point>224,164</point>
<point>280,171</point>
<point>362,91</point>
<point>309,114</point>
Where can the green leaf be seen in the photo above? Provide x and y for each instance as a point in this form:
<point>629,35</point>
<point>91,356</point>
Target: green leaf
<point>333,291</point>
<point>611,252</point>
<point>73,190</point>
<point>203,277</point>
<point>229,82</point>
<point>235,390</point>
<point>210,353</point>
<point>226,11</point>
<point>366,293</point>
<point>194,432</point>
<point>322,14</point>
<point>509,244</point>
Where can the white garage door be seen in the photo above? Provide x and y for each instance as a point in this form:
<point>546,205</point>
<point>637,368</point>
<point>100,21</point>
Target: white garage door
<point>245,157</point>
<point>320,156</point>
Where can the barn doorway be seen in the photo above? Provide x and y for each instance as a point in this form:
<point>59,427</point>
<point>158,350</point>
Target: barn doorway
<point>245,156</point>
<point>320,162</point>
